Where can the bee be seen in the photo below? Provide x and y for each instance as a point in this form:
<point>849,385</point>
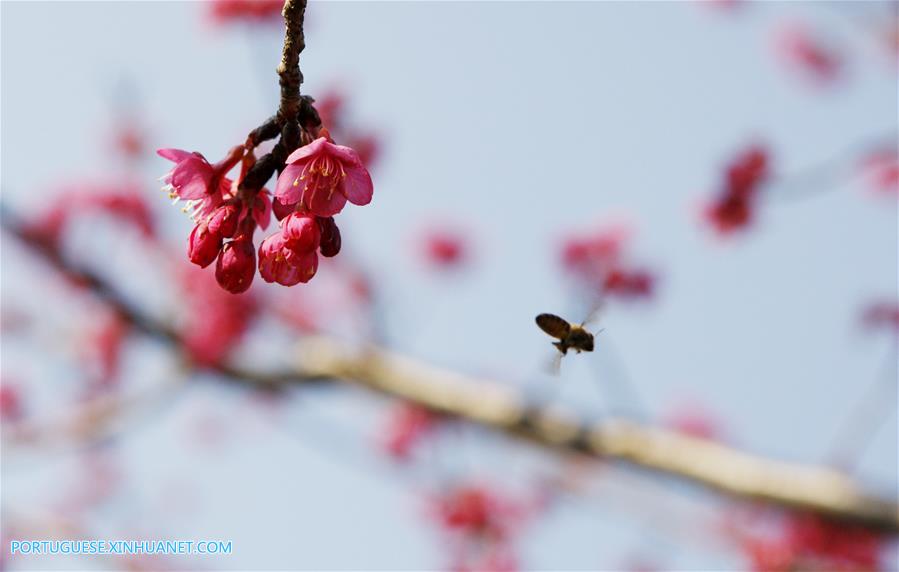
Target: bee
<point>571,336</point>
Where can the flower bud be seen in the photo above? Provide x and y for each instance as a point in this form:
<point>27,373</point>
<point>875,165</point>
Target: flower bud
<point>223,220</point>
<point>280,209</point>
<point>203,245</point>
<point>301,233</point>
<point>330,236</point>
<point>236,265</point>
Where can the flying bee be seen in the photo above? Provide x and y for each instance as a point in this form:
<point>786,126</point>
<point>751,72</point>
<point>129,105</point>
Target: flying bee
<point>571,336</point>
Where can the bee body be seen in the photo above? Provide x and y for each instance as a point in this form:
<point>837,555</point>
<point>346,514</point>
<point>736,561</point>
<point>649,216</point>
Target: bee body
<point>570,336</point>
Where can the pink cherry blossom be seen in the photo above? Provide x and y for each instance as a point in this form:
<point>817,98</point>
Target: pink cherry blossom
<point>203,186</point>
<point>321,177</point>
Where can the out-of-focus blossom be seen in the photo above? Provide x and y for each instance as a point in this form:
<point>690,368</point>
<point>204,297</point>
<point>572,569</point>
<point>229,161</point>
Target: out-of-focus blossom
<point>482,525</point>
<point>248,11</point>
<point>598,261</point>
<point>129,139</point>
<point>445,248</point>
<point>695,421</point>
<point>103,350</point>
<point>123,202</point>
<point>626,283</point>
<point>809,54</point>
<point>881,171</point>
<point>367,146</point>
<point>330,108</point>
<point>881,315</point>
<point>321,177</point>
<point>407,425</point>
<point>734,206</point>
<point>11,409</point>
<point>214,321</point>
<point>811,542</point>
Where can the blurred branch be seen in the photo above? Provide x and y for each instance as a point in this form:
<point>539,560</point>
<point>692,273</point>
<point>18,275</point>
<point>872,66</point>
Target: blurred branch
<point>493,405</point>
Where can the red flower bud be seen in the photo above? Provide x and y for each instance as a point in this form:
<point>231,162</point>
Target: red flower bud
<point>236,265</point>
<point>280,209</point>
<point>203,245</point>
<point>330,236</point>
<point>223,220</point>
<point>301,233</point>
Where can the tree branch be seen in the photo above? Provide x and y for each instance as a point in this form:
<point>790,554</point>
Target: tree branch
<point>289,74</point>
<point>494,405</point>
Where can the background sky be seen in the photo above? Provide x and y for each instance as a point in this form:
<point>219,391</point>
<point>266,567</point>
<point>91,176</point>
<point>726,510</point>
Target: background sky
<point>523,122</point>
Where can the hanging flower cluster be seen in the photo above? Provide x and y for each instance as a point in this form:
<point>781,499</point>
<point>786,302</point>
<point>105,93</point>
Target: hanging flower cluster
<point>733,208</point>
<point>317,181</point>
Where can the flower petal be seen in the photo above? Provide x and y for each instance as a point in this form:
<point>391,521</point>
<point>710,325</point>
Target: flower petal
<point>191,178</point>
<point>175,155</point>
<point>357,185</point>
<point>317,146</point>
<point>285,189</point>
<point>323,205</point>
<point>262,209</point>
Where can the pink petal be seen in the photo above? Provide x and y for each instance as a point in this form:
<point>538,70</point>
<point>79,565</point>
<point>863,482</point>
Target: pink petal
<point>191,178</point>
<point>320,204</point>
<point>345,154</point>
<point>175,155</point>
<point>357,185</point>
<point>262,209</point>
<point>285,190</point>
<point>317,146</point>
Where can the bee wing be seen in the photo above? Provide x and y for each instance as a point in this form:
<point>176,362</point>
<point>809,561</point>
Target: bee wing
<point>554,366</point>
<point>595,314</point>
<point>554,325</point>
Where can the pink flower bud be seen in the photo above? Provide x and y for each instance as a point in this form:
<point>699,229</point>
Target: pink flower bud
<point>301,233</point>
<point>203,245</point>
<point>223,220</point>
<point>330,236</point>
<point>280,209</point>
<point>236,265</point>
<point>279,262</point>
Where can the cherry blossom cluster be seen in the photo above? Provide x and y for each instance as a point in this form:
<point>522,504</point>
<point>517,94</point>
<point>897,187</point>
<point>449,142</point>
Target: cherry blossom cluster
<point>598,260</point>
<point>317,181</point>
<point>124,202</point>
<point>734,207</point>
<point>811,542</point>
<point>482,525</point>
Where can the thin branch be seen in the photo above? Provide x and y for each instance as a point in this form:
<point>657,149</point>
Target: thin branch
<point>289,74</point>
<point>494,405</point>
